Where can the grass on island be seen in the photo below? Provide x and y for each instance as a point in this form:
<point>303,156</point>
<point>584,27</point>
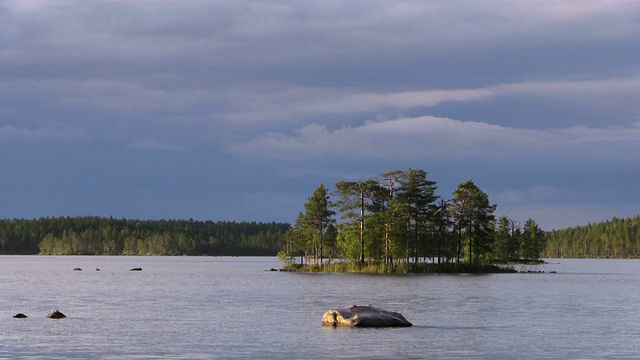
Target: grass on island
<point>402,268</point>
<point>521,262</point>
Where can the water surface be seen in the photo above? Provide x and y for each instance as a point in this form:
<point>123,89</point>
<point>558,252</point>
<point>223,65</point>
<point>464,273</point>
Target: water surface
<point>207,307</point>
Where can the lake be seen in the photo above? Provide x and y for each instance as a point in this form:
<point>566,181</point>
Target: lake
<point>231,308</point>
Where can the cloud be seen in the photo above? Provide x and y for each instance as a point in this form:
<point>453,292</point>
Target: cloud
<point>22,134</point>
<point>120,95</point>
<point>249,104</point>
<point>152,144</point>
<point>282,103</point>
<point>332,83</point>
<point>247,63</point>
<point>435,138</point>
<point>226,33</point>
<point>585,89</point>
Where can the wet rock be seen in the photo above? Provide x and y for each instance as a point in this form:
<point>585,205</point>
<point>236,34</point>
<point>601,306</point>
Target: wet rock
<point>55,314</point>
<point>20,316</point>
<point>363,316</point>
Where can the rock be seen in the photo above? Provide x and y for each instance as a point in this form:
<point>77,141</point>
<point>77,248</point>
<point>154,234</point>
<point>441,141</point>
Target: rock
<point>364,316</point>
<point>20,316</point>
<point>135,269</point>
<point>55,314</point>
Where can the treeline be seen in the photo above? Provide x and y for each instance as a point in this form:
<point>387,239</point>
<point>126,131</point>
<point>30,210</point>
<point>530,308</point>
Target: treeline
<point>397,218</point>
<point>616,238</point>
<point>109,236</point>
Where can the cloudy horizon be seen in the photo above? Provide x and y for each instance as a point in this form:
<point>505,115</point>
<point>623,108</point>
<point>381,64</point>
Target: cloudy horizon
<point>238,110</point>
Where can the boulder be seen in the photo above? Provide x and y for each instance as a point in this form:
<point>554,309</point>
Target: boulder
<point>20,316</point>
<point>363,316</point>
<point>55,314</point>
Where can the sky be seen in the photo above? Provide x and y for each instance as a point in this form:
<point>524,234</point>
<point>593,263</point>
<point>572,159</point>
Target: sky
<point>236,110</point>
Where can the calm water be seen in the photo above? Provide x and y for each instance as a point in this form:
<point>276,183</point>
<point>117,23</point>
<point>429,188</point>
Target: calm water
<point>205,307</point>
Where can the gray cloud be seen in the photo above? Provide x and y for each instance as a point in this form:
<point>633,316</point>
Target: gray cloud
<point>311,91</point>
<point>259,33</point>
<point>22,134</point>
<point>152,144</point>
<point>442,138</point>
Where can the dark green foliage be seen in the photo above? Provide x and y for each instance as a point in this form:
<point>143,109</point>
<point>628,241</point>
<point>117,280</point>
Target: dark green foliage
<point>108,236</point>
<point>503,237</point>
<point>397,224</point>
<point>475,222</point>
<point>357,200</point>
<point>318,217</point>
<point>533,240</point>
<point>616,238</point>
<point>416,204</point>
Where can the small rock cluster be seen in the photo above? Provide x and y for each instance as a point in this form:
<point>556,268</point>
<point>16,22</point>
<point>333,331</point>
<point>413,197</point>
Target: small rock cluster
<point>53,314</point>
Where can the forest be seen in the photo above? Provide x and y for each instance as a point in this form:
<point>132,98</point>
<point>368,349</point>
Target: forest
<point>616,238</point>
<point>397,220</point>
<point>109,236</point>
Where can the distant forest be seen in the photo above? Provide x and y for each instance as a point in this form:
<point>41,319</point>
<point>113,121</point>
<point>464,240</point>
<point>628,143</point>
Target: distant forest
<point>616,238</point>
<point>108,236</point>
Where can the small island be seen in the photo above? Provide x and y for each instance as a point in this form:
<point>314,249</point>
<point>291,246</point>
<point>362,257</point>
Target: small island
<point>397,224</point>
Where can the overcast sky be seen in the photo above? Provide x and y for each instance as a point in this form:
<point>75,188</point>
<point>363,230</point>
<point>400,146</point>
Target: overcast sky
<point>238,110</point>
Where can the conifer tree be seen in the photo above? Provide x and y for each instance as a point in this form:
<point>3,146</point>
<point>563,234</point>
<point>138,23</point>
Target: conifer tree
<point>319,216</point>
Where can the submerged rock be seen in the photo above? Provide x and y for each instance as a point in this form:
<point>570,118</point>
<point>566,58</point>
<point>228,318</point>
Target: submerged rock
<point>364,316</point>
<point>20,316</point>
<point>55,314</point>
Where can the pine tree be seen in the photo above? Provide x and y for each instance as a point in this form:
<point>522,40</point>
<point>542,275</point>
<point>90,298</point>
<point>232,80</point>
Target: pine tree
<point>319,216</point>
<point>416,199</point>
<point>474,217</point>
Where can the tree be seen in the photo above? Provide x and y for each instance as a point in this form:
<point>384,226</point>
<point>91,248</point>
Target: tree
<point>503,237</point>
<point>389,181</point>
<point>515,240</point>
<point>297,238</point>
<point>318,215</point>
<point>355,199</point>
<point>533,240</point>
<point>442,224</point>
<point>416,198</point>
<point>474,217</point>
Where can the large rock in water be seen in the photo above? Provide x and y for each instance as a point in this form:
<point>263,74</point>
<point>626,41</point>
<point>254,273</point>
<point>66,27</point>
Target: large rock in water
<point>363,316</point>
